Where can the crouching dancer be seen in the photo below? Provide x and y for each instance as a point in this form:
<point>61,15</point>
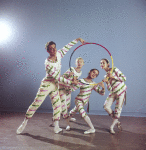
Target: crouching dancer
<point>86,86</point>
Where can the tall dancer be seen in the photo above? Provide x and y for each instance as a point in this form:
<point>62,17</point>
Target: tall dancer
<point>50,84</point>
<point>116,86</point>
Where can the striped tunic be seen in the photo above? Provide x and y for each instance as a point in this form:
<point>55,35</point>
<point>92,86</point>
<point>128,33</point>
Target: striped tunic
<point>66,76</point>
<point>76,74</point>
<point>117,85</point>
<point>85,90</point>
<point>53,69</point>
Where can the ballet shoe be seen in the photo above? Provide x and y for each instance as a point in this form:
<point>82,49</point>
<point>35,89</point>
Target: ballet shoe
<point>72,119</point>
<point>22,126</point>
<point>68,128</point>
<point>57,130</point>
<point>112,131</point>
<point>119,126</point>
<point>89,131</point>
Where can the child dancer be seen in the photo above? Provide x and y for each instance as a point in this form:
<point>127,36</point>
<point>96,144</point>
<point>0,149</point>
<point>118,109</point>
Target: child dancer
<point>65,90</point>
<point>86,86</point>
<point>116,86</point>
<point>50,84</point>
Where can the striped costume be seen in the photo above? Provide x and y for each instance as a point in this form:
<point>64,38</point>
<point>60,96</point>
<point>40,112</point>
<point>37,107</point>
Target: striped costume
<point>65,90</point>
<point>82,98</point>
<point>50,84</point>
<point>117,90</point>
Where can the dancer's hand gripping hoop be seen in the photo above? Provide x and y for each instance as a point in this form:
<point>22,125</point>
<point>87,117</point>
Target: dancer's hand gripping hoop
<point>94,44</point>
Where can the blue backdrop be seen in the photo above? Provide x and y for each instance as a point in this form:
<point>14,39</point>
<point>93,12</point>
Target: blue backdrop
<point>118,25</point>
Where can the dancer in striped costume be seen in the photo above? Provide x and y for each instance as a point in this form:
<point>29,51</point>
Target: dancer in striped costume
<point>116,86</point>
<point>65,90</point>
<point>86,86</point>
<point>50,84</point>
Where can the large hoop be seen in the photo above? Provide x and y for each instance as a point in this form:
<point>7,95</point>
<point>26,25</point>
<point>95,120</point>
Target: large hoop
<point>94,44</point>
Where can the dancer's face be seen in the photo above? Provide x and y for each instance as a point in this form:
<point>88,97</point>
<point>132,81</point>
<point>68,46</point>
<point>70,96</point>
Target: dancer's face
<point>80,63</point>
<point>104,64</point>
<point>52,50</point>
<point>93,74</point>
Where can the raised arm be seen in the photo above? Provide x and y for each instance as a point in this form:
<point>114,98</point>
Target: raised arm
<point>67,47</point>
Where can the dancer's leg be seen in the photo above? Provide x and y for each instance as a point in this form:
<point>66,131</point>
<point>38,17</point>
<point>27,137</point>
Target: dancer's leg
<point>107,106</point>
<point>118,109</point>
<point>43,91</point>
<point>80,107</point>
<point>56,104</point>
<point>119,104</point>
<point>108,103</point>
<point>73,111</point>
<point>68,102</point>
<point>88,121</point>
<point>64,108</point>
<point>63,103</point>
<point>68,124</point>
<point>56,128</point>
<point>115,121</point>
<point>22,126</point>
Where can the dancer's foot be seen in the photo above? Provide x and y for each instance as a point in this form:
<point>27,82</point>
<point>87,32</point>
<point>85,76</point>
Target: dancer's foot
<point>57,130</point>
<point>119,126</point>
<point>22,126</point>
<point>89,131</point>
<point>115,121</point>
<point>68,128</point>
<point>73,119</point>
<point>112,131</point>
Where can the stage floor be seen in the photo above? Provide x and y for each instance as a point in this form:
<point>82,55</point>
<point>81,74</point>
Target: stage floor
<point>38,135</point>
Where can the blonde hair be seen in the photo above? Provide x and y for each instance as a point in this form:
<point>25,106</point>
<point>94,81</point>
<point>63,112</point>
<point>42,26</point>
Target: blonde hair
<point>78,59</point>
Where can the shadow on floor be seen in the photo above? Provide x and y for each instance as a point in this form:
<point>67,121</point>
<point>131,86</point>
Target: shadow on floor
<point>68,145</point>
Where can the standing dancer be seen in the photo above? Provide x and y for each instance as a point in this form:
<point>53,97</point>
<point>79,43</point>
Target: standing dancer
<point>86,86</point>
<point>65,90</point>
<point>116,86</point>
<point>50,84</point>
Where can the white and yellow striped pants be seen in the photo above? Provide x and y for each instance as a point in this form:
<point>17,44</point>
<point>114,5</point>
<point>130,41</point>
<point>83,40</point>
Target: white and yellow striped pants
<point>119,104</point>
<point>46,88</point>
